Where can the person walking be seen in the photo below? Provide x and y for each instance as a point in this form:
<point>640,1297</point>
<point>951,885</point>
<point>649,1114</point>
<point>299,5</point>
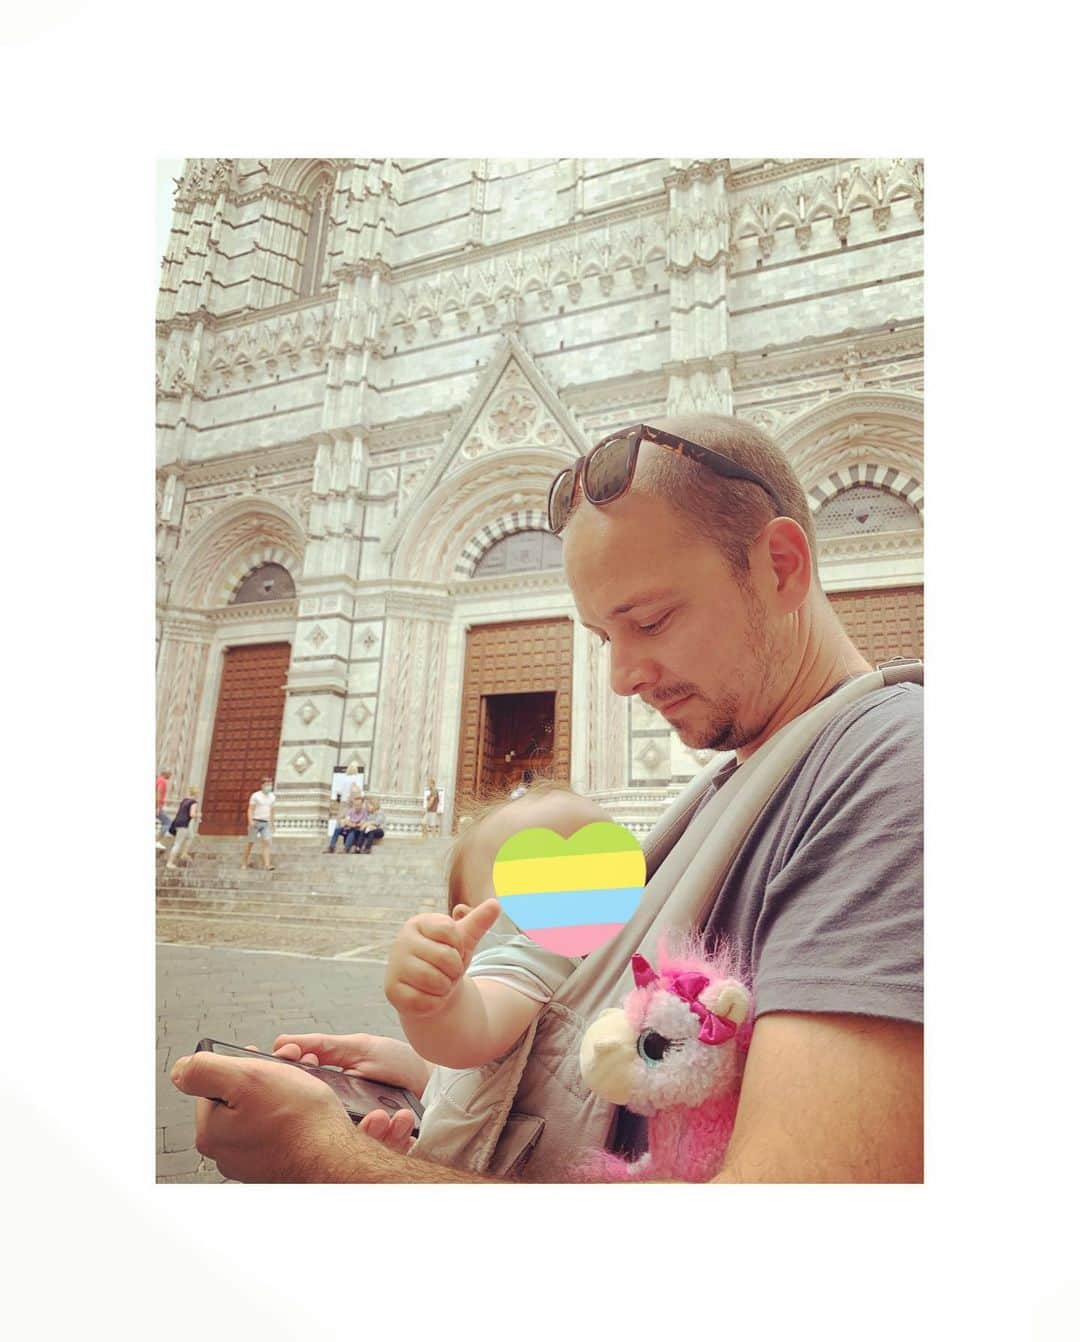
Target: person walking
<point>261,822</point>
<point>184,828</point>
<point>433,809</point>
<point>372,827</point>
<point>161,786</point>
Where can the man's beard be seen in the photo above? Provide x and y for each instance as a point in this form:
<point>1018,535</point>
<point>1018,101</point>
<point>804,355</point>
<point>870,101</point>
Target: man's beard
<point>724,728</point>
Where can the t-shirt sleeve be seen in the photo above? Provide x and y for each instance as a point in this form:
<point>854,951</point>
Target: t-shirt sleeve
<point>841,927</point>
<point>520,963</point>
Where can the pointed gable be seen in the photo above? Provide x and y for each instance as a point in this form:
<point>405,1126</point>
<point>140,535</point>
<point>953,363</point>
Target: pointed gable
<point>513,407</point>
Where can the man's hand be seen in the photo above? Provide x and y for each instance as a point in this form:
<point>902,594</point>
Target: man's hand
<point>374,1056</point>
<point>264,1123</point>
<point>429,956</point>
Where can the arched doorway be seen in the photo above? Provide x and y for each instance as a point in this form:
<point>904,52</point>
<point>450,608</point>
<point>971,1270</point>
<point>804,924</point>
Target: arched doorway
<point>515,713</point>
<point>247,730</point>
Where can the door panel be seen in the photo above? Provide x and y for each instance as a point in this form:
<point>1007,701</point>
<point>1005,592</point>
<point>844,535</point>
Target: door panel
<point>883,622</point>
<point>520,658</point>
<point>247,733</point>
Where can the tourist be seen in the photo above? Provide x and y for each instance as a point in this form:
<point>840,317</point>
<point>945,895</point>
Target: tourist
<point>350,825</point>
<point>346,784</point>
<point>184,827</point>
<point>371,827</point>
<point>433,809</point>
<point>689,549</point>
<point>260,823</point>
<point>161,786</point>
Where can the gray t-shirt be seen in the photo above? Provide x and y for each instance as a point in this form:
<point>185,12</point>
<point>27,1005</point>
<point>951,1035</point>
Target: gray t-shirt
<point>824,900</point>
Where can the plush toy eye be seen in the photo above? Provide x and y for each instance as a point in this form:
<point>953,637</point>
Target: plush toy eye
<point>652,1046</point>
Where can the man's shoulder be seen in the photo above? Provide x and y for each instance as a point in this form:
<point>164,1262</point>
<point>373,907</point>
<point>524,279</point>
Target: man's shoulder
<point>879,737</point>
<point>892,714</point>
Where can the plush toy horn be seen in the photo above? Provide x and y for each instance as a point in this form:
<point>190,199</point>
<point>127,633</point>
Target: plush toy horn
<point>644,974</point>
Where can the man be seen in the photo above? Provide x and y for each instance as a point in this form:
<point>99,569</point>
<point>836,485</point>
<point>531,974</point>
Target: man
<point>260,822</point>
<point>184,828</point>
<point>689,549</point>
<point>433,809</point>
<point>161,786</point>
<point>350,823</point>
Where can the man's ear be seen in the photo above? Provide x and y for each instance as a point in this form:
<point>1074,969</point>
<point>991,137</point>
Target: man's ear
<point>783,551</point>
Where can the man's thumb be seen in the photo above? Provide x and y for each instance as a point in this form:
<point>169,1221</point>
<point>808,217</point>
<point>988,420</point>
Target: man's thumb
<point>477,923</point>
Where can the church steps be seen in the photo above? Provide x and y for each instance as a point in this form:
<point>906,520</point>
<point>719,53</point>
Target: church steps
<point>312,902</point>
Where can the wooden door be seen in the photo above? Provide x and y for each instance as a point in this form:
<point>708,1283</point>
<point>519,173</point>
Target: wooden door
<point>247,733</point>
<point>883,622</point>
<point>524,657</point>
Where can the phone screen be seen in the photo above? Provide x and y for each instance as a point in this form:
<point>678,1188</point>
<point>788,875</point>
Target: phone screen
<point>358,1095</point>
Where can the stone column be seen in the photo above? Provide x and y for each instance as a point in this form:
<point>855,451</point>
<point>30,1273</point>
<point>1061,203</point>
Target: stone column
<point>182,661</point>
<point>409,701</point>
<point>318,680</point>
<point>700,368</point>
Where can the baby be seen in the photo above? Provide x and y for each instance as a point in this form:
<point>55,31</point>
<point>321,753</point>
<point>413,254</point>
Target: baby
<point>461,1009</point>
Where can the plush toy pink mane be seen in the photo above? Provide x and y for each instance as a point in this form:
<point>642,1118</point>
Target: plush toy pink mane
<point>675,1060</point>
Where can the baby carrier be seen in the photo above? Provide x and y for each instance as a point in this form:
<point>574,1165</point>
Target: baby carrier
<point>534,1114</point>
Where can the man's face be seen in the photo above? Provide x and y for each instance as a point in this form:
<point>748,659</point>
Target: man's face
<point>685,636</point>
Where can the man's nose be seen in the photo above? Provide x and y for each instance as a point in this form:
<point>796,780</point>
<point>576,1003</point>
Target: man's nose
<point>630,674</point>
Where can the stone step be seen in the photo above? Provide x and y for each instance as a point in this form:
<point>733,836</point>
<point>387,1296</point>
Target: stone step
<point>353,866</point>
<point>380,921</point>
<point>313,906</point>
<point>307,880</point>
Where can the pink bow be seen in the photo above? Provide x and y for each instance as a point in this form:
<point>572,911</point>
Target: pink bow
<point>686,985</point>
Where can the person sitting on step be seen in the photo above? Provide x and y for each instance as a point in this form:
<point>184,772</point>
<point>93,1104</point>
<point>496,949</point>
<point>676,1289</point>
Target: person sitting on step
<point>350,825</point>
<point>371,828</point>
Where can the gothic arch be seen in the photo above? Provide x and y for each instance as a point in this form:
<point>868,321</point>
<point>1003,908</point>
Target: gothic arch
<point>440,539</point>
<point>509,524</point>
<point>299,174</point>
<point>216,558</point>
<point>858,437</point>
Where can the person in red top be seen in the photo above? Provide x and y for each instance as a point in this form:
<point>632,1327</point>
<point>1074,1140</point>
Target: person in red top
<point>161,786</point>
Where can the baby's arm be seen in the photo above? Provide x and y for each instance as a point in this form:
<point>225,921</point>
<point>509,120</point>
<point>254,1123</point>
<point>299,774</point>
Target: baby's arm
<point>448,1018</point>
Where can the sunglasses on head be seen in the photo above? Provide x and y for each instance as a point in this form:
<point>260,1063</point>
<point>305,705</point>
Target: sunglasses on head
<point>607,469</point>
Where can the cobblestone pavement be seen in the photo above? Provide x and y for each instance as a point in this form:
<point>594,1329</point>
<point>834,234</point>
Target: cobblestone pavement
<point>247,997</point>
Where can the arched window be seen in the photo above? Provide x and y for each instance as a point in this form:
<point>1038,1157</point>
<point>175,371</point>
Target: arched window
<point>523,552</point>
<point>319,193</point>
<point>269,582</point>
<point>864,509</point>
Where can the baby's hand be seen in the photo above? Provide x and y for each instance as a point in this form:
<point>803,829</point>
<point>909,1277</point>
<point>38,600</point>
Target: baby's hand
<point>430,954</point>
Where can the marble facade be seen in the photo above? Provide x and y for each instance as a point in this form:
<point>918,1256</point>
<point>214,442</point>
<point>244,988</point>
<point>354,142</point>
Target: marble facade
<point>368,371</point>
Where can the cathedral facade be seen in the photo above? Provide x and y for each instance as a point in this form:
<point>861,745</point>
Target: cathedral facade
<point>368,372</point>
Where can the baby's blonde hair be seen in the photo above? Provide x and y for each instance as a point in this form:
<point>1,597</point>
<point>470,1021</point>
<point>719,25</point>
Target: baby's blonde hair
<point>455,893</point>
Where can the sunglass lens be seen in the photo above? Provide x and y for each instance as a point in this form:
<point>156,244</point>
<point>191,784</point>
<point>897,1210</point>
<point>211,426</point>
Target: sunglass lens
<point>606,470</point>
<point>562,495</point>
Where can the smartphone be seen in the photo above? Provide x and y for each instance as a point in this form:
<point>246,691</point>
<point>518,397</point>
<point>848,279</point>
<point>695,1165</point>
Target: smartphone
<point>359,1096</point>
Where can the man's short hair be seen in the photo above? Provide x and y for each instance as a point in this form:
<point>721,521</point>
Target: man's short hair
<point>730,512</point>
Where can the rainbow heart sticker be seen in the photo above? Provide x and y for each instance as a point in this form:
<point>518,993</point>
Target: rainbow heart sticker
<point>570,895</point>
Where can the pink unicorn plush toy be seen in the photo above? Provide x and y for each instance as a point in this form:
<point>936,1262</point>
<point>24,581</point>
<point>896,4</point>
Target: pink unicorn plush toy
<point>674,1052</point>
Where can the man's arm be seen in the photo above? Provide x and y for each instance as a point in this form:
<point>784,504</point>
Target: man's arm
<point>829,1099</point>
<point>274,1124</point>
